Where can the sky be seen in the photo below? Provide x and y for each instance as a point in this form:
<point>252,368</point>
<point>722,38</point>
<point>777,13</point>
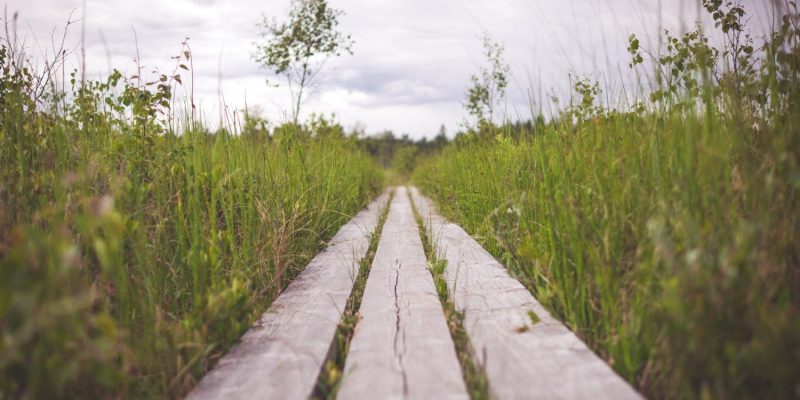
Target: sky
<point>412,59</point>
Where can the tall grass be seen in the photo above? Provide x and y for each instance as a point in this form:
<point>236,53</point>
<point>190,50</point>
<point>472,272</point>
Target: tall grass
<point>131,255</point>
<point>666,236</point>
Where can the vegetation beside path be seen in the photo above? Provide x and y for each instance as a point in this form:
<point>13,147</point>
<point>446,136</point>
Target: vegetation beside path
<point>137,246</point>
<point>666,235</point>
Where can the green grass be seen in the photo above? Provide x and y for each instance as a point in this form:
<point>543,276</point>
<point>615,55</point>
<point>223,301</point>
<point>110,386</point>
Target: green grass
<point>133,255</point>
<point>666,237</point>
<point>671,248</point>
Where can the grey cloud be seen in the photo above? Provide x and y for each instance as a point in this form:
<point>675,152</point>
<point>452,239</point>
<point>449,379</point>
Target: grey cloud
<point>412,58</point>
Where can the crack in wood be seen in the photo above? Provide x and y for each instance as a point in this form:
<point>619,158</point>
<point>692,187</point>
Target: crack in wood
<point>399,330</point>
<point>402,347</point>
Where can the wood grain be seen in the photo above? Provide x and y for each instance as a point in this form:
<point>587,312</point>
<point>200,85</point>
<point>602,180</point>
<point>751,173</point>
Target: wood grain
<point>280,357</point>
<point>523,359</point>
<point>402,347</point>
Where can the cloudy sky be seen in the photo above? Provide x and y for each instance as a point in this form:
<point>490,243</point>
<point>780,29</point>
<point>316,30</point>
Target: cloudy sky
<point>412,58</point>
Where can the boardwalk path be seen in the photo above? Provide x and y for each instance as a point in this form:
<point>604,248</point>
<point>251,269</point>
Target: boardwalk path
<point>402,347</point>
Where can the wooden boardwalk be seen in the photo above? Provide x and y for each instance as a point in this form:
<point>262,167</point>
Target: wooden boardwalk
<point>402,347</point>
<point>281,356</point>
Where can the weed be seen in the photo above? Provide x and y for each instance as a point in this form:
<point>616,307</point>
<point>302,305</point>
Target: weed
<point>133,254</point>
<point>666,235</point>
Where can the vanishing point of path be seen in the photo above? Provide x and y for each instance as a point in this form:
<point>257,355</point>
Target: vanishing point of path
<point>402,347</point>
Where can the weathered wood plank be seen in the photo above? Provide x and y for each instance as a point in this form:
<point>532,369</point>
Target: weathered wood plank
<point>280,357</point>
<point>522,359</point>
<point>402,347</point>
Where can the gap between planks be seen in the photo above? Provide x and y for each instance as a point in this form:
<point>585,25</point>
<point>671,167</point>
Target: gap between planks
<point>281,355</point>
<point>522,359</point>
<point>402,347</point>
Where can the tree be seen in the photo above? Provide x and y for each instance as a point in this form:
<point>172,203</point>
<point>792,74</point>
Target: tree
<point>488,88</point>
<point>299,48</point>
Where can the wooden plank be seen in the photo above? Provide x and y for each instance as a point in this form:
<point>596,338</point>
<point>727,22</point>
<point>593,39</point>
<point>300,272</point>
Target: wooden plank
<point>522,359</point>
<point>402,347</point>
<point>281,356</point>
